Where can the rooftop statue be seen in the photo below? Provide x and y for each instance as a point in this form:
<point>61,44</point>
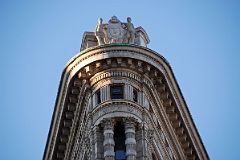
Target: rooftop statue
<point>130,31</point>
<point>115,31</point>
<point>99,32</point>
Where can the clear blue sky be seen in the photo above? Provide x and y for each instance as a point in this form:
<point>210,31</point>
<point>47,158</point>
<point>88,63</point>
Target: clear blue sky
<point>200,39</point>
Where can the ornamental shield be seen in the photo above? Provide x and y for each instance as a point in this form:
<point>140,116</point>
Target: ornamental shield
<point>115,33</point>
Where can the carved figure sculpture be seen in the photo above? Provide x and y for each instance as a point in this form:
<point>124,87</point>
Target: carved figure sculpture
<point>130,31</point>
<point>100,32</point>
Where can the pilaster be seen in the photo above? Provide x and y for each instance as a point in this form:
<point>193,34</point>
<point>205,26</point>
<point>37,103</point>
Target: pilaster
<point>98,139</point>
<point>130,139</point>
<point>128,89</point>
<point>108,143</point>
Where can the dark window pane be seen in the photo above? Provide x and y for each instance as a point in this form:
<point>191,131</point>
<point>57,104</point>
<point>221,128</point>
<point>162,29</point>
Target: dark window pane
<point>119,139</point>
<point>98,93</point>
<point>135,95</point>
<point>117,92</point>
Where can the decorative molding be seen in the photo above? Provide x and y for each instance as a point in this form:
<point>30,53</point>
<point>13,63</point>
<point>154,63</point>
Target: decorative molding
<point>116,108</point>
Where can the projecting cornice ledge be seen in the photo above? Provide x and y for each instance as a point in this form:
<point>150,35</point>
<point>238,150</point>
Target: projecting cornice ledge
<point>115,50</point>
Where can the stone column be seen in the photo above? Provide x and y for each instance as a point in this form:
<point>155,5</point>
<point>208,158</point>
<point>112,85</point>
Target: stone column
<point>108,143</point>
<point>130,139</point>
<point>98,140</point>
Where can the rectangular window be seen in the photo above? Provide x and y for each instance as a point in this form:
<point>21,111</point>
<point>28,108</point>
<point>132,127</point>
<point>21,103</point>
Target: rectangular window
<point>135,95</point>
<point>116,91</point>
<point>119,139</point>
<point>98,96</point>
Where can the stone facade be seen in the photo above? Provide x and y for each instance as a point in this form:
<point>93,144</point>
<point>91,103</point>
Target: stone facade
<point>119,100</point>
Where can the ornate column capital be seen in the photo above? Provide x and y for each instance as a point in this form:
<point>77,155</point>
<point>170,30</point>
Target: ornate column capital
<point>107,123</point>
<point>129,121</point>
